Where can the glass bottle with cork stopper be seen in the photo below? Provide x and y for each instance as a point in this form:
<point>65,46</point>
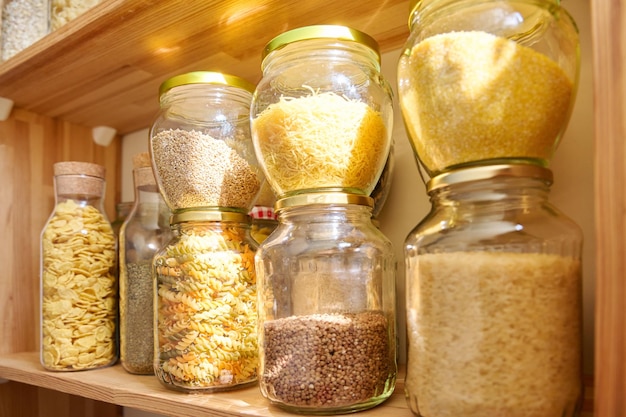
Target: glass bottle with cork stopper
<point>143,233</point>
<point>206,169</point>
<point>78,273</point>
<point>321,126</point>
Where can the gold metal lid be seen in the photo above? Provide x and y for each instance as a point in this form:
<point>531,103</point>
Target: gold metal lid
<point>487,172</point>
<point>205,77</point>
<point>338,32</point>
<point>208,215</point>
<point>333,198</point>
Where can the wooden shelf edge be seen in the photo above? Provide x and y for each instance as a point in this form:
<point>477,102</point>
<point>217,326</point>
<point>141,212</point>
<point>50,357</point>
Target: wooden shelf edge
<point>144,392</point>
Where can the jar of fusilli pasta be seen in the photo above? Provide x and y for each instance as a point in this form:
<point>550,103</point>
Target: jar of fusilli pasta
<point>78,273</point>
<point>326,282</point>
<point>205,303</point>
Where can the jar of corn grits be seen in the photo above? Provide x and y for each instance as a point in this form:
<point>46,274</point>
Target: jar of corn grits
<point>494,303</point>
<point>206,303</point>
<point>487,82</point>
<point>200,144</point>
<point>326,282</point>
<point>322,112</point>
<point>78,273</point>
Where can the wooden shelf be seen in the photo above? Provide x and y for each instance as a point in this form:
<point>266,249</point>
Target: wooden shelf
<point>144,392</point>
<point>104,68</point>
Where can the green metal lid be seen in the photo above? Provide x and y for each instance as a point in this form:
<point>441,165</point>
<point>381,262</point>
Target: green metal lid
<point>205,77</point>
<point>487,172</point>
<point>332,198</point>
<point>321,32</point>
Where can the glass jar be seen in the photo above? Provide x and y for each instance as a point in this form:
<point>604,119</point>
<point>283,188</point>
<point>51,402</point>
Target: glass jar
<point>64,11</point>
<point>322,113</point>
<point>121,213</point>
<point>200,143</point>
<point>326,282</point>
<point>494,303</point>
<point>143,233</point>
<point>78,273</point>
<point>206,303</point>
<point>263,222</point>
<point>22,23</point>
<point>511,74</point>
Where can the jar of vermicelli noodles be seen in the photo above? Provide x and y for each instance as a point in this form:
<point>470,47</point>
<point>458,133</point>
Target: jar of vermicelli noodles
<point>494,298</point>
<point>78,273</point>
<point>487,82</point>
<point>205,303</point>
<point>322,112</point>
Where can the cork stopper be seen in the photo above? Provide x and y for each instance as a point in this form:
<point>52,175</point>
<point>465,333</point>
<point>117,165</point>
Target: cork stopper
<point>79,168</point>
<point>79,178</point>
<point>141,160</point>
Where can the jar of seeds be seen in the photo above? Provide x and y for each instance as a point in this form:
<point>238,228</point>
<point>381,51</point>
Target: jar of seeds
<point>494,298</point>
<point>78,273</point>
<point>145,231</point>
<point>200,143</point>
<point>205,300</point>
<point>326,282</point>
<point>22,23</point>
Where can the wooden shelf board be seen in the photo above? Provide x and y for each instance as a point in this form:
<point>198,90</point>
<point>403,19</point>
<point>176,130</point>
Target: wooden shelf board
<point>104,67</point>
<point>114,385</point>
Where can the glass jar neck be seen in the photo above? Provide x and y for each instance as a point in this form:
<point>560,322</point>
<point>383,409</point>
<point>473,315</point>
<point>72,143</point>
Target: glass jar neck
<point>80,188</point>
<point>197,99</point>
<point>325,213</point>
<point>321,50</point>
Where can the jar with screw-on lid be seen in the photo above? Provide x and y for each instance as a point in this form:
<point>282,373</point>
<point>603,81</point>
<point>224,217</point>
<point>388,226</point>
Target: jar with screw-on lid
<point>205,299</point>
<point>22,23</point>
<point>321,115</point>
<point>78,273</point>
<point>511,74</point>
<point>206,303</point>
<point>145,231</point>
<point>494,298</point>
<point>326,282</point>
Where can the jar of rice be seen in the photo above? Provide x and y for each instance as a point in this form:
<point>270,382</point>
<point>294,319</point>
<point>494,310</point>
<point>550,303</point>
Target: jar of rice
<point>494,303</point>
<point>327,306</point>
<point>322,112</point>
<point>487,82</point>
<point>200,144</point>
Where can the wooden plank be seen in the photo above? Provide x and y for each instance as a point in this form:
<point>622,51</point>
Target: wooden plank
<point>609,65</point>
<point>104,67</point>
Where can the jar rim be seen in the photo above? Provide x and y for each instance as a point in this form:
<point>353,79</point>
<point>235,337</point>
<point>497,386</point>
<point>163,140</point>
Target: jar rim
<point>337,32</point>
<point>209,215</point>
<point>205,77</point>
<point>329,198</point>
<point>478,173</point>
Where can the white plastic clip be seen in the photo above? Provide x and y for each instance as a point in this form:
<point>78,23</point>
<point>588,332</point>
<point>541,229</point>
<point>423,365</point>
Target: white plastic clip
<point>103,135</point>
<point>6,105</point>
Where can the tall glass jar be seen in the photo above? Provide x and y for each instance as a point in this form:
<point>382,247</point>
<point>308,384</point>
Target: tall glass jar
<point>322,113</point>
<point>78,273</point>
<point>143,233</point>
<point>326,282</point>
<point>487,82</point>
<point>494,303</point>
<point>200,143</point>
<point>206,303</point>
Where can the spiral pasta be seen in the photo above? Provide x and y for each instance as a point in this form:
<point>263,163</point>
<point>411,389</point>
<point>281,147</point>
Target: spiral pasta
<point>206,310</point>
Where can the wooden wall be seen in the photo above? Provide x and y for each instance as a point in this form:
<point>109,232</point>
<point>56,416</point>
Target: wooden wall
<point>29,146</point>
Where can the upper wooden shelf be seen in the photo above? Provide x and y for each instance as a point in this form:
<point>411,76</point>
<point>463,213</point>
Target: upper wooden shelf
<point>105,67</point>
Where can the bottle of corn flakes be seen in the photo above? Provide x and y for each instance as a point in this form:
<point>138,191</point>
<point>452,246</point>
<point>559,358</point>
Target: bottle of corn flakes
<point>78,273</point>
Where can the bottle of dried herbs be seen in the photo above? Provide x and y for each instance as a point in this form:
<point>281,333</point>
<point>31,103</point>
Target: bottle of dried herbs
<point>78,273</point>
<point>142,234</point>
